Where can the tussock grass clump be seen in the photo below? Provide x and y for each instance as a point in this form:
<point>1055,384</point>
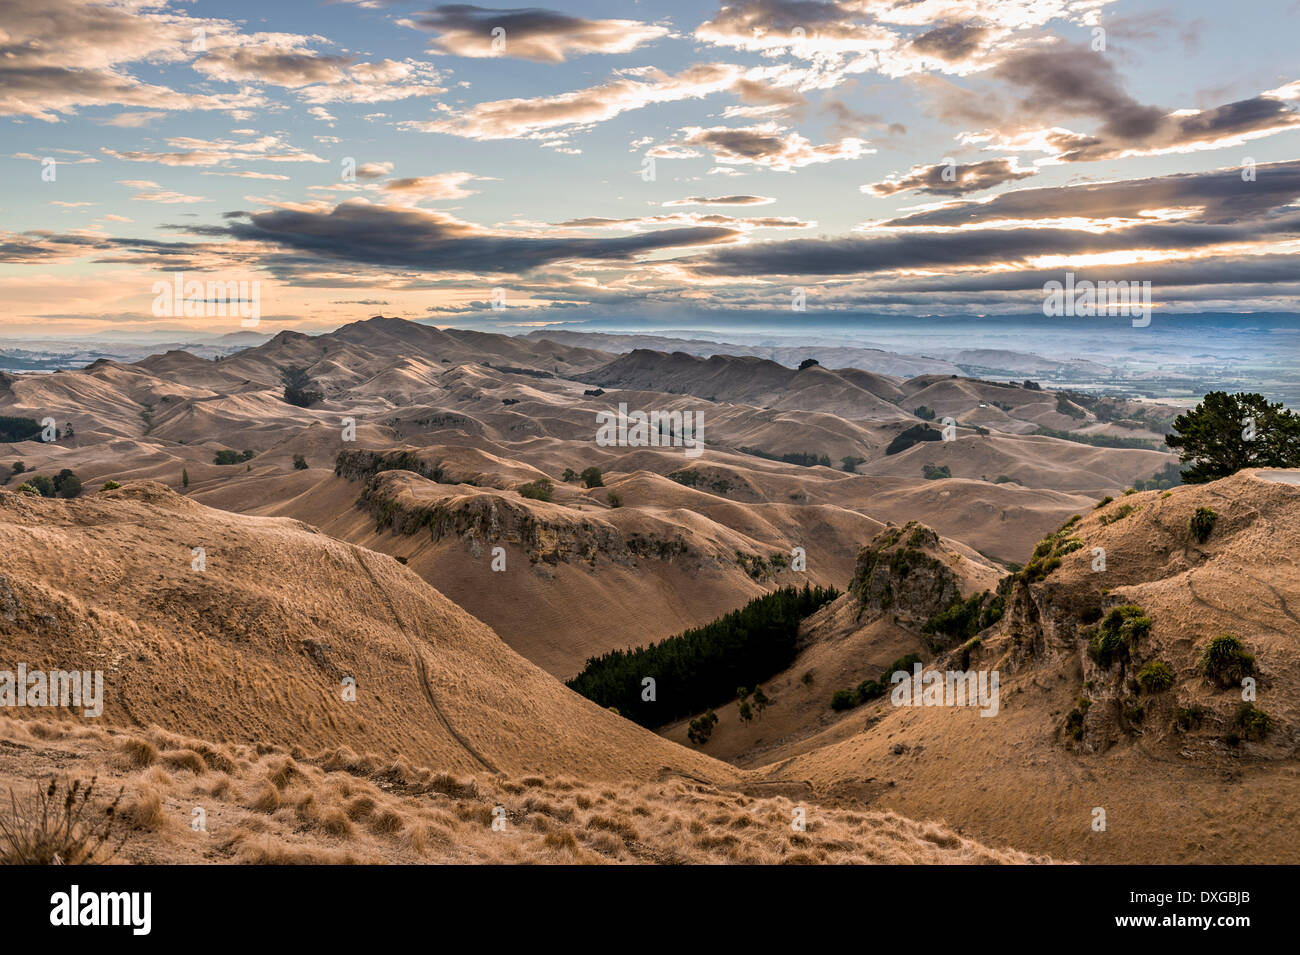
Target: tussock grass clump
<point>144,809</point>
<point>54,827</point>
<point>1156,677</point>
<point>185,759</point>
<point>136,753</point>
<point>1225,662</point>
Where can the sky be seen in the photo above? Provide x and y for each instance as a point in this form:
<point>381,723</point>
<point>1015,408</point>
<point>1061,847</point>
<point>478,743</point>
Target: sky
<point>517,167</point>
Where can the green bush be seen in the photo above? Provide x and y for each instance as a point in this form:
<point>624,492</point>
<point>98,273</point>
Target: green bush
<point>1255,723</point>
<point>934,473</point>
<point>1074,720</point>
<point>1202,524</point>
<point>299,463</point>
<point>42,485</point>
<point>700,728</point>
<point>1225,661</point>
<point>1102,503</point>
<point>110,486</point>
<point>232,457</point>
<point>67,484</point>
<point>871,689</point>
<point>614,499</point>
<point>592,477</point>
<point>539,490</point>
<point>843,700</point>
<point>1119,634</point>
<point>1156,677</point>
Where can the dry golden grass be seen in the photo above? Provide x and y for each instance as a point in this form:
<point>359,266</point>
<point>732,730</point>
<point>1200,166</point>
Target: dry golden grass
<point>337,807</point>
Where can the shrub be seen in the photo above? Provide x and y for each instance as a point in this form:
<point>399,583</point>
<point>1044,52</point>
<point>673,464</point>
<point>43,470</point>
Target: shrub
<point>18,467</point>
<point>960,620</point>
<point>539,490</point>
<point>1255,723</point>
<point>1074,720</point>
<point>110,486</point>
<point>851,462</point>
<point>1156,677</point>
<point>869,690</point>
<point>808,363</point>
<point>1102,503</point>
<point>1225,661</point>
<point>1119,634</point>
<point>299,463</point>
<point>569,475</point>
<point>26,488</point>
<point>1202,524</point>
<point>232,457</point>
<point>1187,718</point>
<point>701,728</point>
<point>934,473</point>
<point>925,413</point>
<point>67,484</point>
<point>905,439</point>
<point>843,700</point>
<point>614,499</point>
<point>50,829</point>
<point>1121,512</point>
<point>42,484</point>
<point>592,477</point>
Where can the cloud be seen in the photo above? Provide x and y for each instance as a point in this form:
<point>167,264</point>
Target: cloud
<point>545,116</point>
<point>134,120</point>
<point>984,248</point>
<point>543,36</point>
<point>447,185</point>
<point>721,201</point>
<point>1217,196</point>
<point>955,179</point>
<point>147,191</point>
<point>288,60</point>
<point>769,146</point>
<point>425,241</point>
<point>1052,82</point>
<point>689,218</point>
<point>374,170</point>
<point>951,42</point>
<point>59,55</point>
<point>188,151</point>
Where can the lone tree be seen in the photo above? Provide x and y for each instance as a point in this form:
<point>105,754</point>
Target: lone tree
<point>808,363</point>
<point>297,387</point>
<point>1226,433</point>
<point>67,484</point>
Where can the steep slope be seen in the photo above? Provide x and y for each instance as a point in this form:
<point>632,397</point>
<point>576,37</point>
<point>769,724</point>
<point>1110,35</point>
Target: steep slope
<point>1087,729</point>
<point>256,645</point>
